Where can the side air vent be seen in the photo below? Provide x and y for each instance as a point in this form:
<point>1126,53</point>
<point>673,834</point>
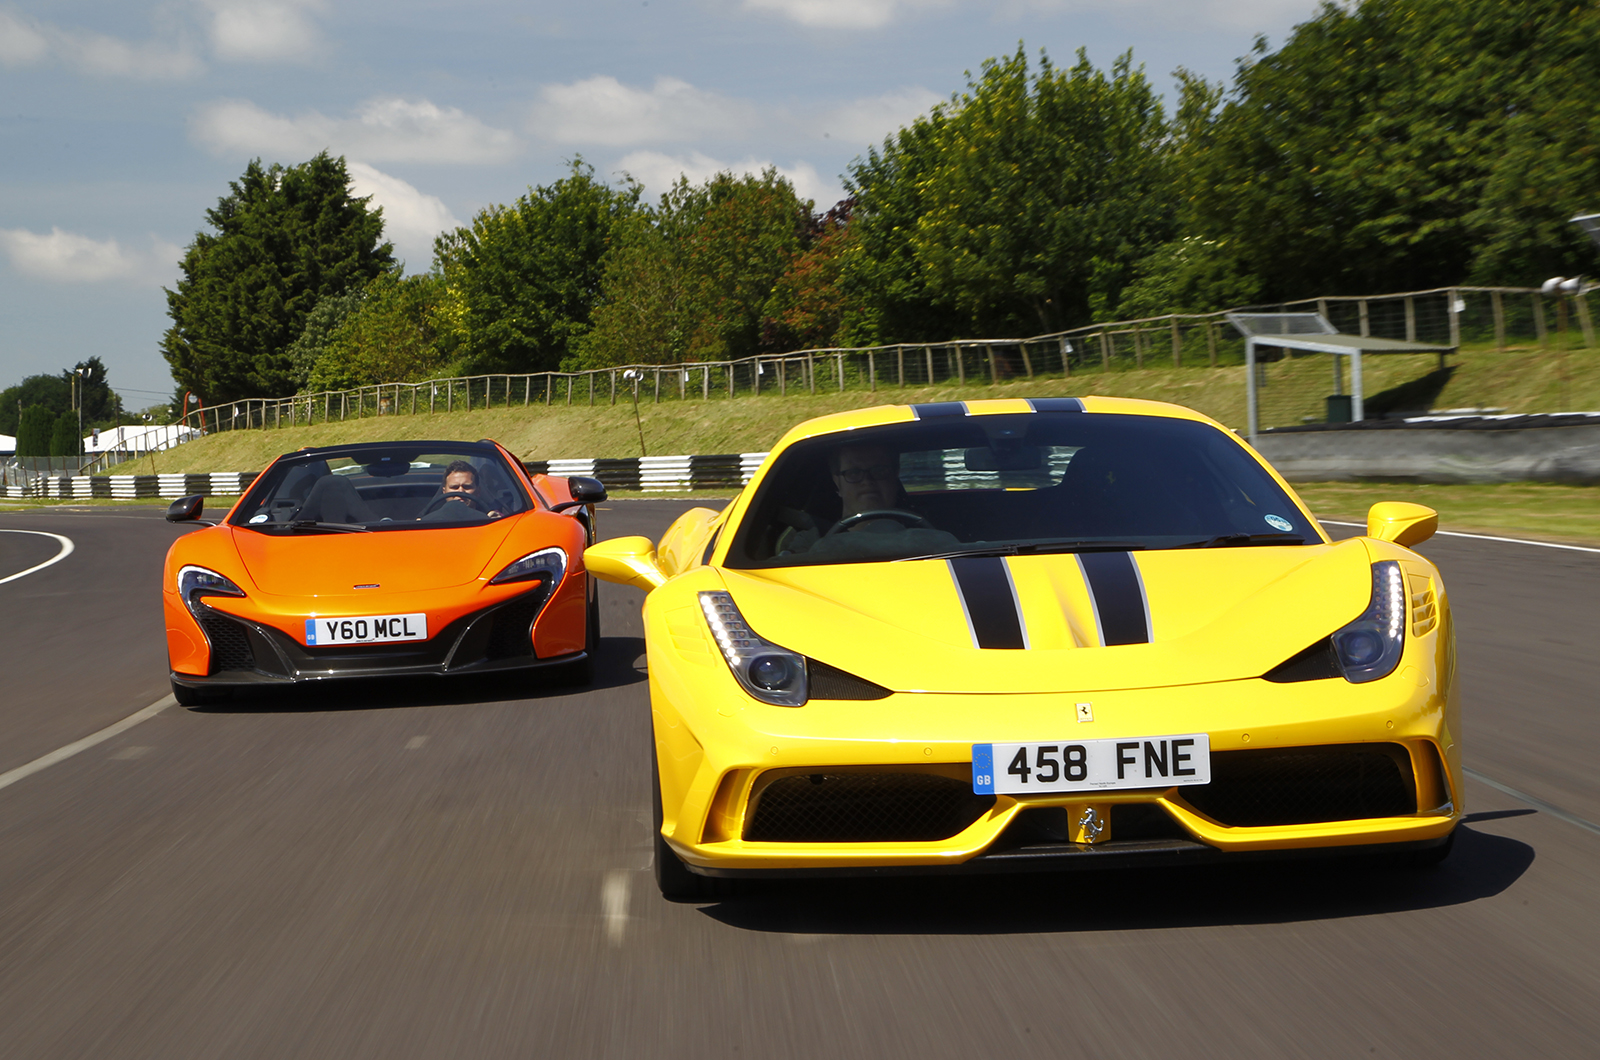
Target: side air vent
<point>1424,612</point>
<point>1316,663</point>
<point>829,682</point>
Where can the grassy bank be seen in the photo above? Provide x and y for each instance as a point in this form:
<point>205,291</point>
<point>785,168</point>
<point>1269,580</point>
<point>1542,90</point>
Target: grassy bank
<point>1519,380</point>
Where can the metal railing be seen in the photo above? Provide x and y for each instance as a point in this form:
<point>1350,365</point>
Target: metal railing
<point>1500,316</point>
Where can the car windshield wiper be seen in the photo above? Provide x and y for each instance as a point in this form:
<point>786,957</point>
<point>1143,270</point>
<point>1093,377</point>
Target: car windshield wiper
<point>308,526</point>
<point>1031,548</point>
<point>1245,540</point>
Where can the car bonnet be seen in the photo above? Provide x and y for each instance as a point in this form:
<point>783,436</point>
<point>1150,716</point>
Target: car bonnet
<point>324,565</point>
<point>1081,622</point>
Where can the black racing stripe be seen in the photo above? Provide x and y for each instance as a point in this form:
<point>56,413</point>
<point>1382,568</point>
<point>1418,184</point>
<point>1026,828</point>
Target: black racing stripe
<point>930,409</point>
<point>1056,404</point>
<point>1119,602</point>
<point>989,600</point>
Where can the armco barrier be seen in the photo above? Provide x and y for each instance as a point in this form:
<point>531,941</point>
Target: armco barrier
<point>1563,447</point>
<point>136,487</point>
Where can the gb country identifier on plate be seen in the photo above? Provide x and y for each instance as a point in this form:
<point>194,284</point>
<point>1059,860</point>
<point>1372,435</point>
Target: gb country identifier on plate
<point>366,629</point>
<point>1091,765</point>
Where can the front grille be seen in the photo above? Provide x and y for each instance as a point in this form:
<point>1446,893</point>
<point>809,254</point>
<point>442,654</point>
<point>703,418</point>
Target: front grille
<point>230,646</point>
<point>864,808</point>
<point>1306,785</point>
<point>512,632</point>
<point>830,682</point>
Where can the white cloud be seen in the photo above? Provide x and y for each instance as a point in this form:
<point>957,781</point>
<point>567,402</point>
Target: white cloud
<point>1248,15</point>
<point>26,41</point>
<point>843,14</point>
<point>66,257</point>
<point>868,121</point>
<point>658,172</point>
<point>411,218</point>
<point>603,110</point>
<point>265,30</point>
<point>387,129</point>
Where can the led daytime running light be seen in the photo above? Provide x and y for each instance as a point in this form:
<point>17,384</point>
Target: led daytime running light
<point>769,672</point>
<point>552,561</point>
<point>1369,648</point>
<point>195,582</point>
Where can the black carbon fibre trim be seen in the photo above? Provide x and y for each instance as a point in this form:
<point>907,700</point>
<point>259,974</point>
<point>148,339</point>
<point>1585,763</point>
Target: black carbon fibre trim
<point>1118,593</point>
<point>932,409</point>
<point>989,600</point>
<point>1055,404</point>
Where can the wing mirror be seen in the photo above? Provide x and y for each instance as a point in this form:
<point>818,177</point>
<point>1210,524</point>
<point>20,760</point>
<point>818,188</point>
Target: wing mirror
<point>185,509</point>
<point>626,561</point>
<point>584,490</point>
<point>1402,523</point>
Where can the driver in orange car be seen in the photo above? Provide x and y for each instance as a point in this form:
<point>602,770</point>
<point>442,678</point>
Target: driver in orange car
<point>461,487</point>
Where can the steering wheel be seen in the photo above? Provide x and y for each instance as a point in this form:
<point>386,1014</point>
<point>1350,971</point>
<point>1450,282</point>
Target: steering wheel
<point>912,520</point>
<point>444,498</point>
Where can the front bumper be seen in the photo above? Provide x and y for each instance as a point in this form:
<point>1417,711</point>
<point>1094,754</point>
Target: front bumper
<point>718,760</point>
<point>244,652</point>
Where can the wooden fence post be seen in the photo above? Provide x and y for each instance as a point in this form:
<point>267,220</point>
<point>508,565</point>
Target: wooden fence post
<point>1177,345</point>
<point>1584,321</point>
<point>929,351</point>
<point>1211,342</point>
<point>1497,303</point>
<point>1538,320</point>
<point>1366,322</point>
<point>1105,350</point>
<point>1411,319</point>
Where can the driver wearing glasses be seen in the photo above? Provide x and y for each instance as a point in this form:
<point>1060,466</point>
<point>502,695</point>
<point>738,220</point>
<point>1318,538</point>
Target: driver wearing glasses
<point>871,500</point>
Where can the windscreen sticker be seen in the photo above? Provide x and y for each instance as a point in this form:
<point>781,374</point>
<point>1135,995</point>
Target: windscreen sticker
<point>1278,522</point>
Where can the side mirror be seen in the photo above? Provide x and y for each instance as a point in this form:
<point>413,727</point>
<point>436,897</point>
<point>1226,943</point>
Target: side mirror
<point>185,509</point>
<point>584,490</point>
<point>1402,523</point>
<point>626,561</point>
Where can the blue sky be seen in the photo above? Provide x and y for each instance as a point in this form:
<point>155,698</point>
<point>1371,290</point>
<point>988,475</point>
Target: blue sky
<point>121,123</point>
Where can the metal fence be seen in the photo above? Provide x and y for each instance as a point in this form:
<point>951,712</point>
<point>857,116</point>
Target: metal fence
<point>1500,318</point>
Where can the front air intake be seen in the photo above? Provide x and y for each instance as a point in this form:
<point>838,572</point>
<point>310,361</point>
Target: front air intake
<point>863,808</point>
<point>1306,785</point>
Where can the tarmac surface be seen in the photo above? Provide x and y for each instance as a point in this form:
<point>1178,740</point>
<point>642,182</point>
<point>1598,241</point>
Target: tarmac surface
<point>444,870</point>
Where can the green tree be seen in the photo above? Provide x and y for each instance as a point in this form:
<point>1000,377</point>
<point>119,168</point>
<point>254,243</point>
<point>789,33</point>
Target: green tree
<point>389,338</point>
<point>322,322</point>
<point>1022,203</point>
<point>692,278</point>
<point>1397,144</point>
<point>34,430</point>
<point>808,306</point>
<point>522,280</point>
<point>46,391</point>
<point>281,240</point>
<point>64,439</point>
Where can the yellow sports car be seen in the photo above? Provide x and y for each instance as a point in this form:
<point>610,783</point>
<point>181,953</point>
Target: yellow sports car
<point>990,636</point>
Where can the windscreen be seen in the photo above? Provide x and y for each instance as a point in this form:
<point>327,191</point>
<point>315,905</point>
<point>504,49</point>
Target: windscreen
<point>368,488</point>
<point>1015,484</point>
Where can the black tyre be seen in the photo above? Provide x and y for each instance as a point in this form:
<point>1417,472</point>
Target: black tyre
<point>1434,856</point>
<point>673,877</point>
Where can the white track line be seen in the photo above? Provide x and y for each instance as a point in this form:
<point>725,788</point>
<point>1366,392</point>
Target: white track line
<point>614,905</point>
<point>1485,537</point>
<point>66,550</point>
<point>1539,804</point>
<point>61,754</point>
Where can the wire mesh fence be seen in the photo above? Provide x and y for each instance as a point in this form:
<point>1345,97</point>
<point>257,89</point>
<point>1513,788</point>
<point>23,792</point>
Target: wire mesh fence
<point>1293,389</point>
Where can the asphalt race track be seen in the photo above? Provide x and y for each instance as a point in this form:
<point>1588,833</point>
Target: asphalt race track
<point>462,871</point>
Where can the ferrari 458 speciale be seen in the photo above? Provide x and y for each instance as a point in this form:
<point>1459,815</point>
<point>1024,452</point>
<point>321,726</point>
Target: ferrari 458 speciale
<point>1016,634</point>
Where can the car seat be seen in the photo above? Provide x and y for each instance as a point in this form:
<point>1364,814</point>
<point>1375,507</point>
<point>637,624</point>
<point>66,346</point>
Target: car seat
<point>334,500</point>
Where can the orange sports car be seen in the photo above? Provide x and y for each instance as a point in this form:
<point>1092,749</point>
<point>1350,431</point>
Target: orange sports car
<point>383,559</point>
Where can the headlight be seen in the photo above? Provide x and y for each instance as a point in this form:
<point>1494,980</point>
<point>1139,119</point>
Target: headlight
<point>549,562</point>
<point>1369,647</point>
<point>195,582</point>
<point>770,673</point>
